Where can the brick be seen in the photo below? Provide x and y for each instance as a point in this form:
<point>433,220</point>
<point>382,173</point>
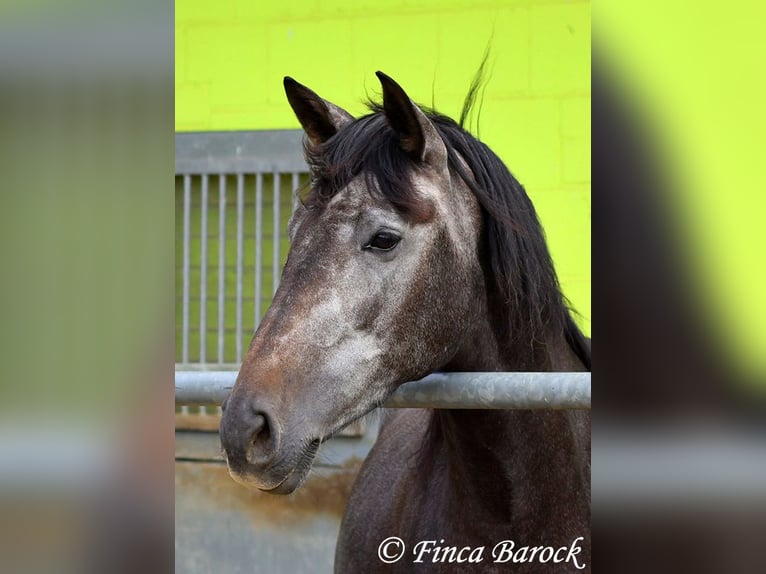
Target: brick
<point>203,12</point>
<point>265,11</point>
<point>192,109</point>
<point>403,46</point>
<point>463,6</point>
<point>254,117</point>
<point>317,54</point>
<point>358,8</point>
<point>575,160</point>
<point>180,55</point>
<point>459,59</point>
<point>204,43</point>
<point>375,8</point>
<point>560,48</point>
<point>575,117</point>
<point>525,134</point>
<point>566,216</point>
<point>239,79</point>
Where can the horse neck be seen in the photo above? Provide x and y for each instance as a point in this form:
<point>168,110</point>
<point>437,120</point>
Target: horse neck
<point>503,459</point>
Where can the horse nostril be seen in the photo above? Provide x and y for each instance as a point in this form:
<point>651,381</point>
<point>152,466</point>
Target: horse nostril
<point>262,446</point>
<point>250,437</point>
<point>259,422</point>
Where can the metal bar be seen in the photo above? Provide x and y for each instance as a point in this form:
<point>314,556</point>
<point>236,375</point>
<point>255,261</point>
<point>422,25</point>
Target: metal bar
<point>240,240</point>
<point>436,391</point>
<point>203,272</point>
<point>275,235</point>
<point>239,152</point>
<point>258,246</point>
<point>221,262</point>
<point>495,391</point>
<point>185,279</point>
<point>203,387</point>
<point>296,185</point>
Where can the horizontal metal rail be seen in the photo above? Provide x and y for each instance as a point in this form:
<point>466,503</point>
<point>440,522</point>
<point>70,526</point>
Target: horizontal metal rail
<point>436,391</point>
<point>214,153</point>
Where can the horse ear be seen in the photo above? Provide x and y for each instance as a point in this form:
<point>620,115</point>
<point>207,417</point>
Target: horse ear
<point>320,119</point>
<point>417,135</point>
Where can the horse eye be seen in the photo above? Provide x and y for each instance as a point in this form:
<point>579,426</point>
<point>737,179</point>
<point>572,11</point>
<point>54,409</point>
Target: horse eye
<point>383,241</point>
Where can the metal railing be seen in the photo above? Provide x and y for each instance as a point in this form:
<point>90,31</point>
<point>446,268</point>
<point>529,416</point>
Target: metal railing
<point>436,391</point>
<point>235,192</point>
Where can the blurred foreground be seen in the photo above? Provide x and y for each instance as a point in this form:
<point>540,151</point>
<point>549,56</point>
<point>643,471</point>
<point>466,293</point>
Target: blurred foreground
<point>679,436</point>
<point>86,299</point>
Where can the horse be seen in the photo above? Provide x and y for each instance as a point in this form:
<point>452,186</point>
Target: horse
<point>415,250</point>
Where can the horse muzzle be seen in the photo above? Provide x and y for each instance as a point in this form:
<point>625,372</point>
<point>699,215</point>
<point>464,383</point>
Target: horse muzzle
<point>252,442</point>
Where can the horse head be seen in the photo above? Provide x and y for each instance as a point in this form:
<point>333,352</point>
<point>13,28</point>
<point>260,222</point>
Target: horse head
<point>381,285</point>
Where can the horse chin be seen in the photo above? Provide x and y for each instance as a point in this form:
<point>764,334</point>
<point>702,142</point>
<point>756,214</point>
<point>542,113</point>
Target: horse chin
<point>291,481</point>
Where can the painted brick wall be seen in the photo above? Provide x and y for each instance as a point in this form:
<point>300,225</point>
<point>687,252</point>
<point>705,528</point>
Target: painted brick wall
<point>231,56</point>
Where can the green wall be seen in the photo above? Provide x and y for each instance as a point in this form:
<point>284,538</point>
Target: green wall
<point>231,56</point>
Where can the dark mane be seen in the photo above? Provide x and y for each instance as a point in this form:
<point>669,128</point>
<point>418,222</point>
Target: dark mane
<point>519,261</point>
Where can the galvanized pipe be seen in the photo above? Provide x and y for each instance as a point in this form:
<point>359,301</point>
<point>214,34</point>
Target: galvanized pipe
<point>221,264</point>
<point>296,185</point>
<point>276,264</point>
<point>436,391</point>
<point>258,246</point>
<point>185,271</point>
<point>240,266</point>
<point>203,271</point>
